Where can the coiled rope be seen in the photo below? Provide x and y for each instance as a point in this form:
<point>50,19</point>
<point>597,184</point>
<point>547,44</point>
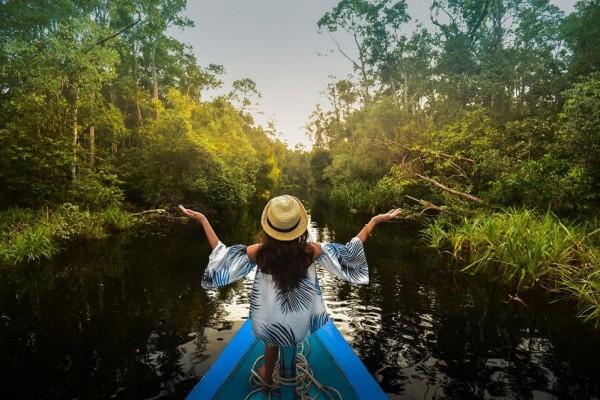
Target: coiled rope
<point>304,380</point>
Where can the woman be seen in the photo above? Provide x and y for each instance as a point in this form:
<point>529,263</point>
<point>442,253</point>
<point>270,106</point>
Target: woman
<point>286,303</point>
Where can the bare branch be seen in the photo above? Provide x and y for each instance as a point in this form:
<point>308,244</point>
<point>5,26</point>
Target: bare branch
<point>120,31</point>
<point>354,63</point>
<point>443,155</point>
<point>435,183</point>
<point>155,211</point>
<point>427,204</point>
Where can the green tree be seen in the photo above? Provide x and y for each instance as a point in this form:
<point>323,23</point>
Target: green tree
<point>582,34</point>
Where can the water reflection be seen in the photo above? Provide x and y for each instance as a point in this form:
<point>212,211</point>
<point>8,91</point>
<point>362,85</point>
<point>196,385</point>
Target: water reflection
<point>126,319</point>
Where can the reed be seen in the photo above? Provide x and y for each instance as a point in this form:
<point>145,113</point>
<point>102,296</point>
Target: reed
<point>30,244</point>
<point>583,284</point>
<point>523,249</point>
<point>355,195</point>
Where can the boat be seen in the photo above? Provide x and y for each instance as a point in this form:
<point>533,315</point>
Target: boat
<point>328,363</point>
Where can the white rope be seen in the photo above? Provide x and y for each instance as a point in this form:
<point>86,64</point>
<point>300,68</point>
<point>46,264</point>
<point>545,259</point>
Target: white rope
<point>304,380</point>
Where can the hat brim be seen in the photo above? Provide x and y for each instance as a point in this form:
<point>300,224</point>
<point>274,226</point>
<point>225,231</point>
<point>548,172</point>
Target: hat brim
<point>291,235</point>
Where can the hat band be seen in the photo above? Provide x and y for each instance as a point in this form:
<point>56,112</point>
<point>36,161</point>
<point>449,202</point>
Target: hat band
<point>283,230</point>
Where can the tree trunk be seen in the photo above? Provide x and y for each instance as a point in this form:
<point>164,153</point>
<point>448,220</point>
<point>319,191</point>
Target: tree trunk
<point>363,70</point>
<point>405,95</point>
<point>93,136</point>
<point>154,79</point>
<point>92,146</point>
<point>75,134</point>
<point>366,94</point>
<point>135,82</point>
<point>154,74</point>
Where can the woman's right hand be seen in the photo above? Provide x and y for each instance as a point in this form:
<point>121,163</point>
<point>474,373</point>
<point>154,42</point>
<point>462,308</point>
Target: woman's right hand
<point>195,215</point>
<point>211,236</point>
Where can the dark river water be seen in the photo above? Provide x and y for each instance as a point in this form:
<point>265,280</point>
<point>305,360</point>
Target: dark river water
<point>126,318</point>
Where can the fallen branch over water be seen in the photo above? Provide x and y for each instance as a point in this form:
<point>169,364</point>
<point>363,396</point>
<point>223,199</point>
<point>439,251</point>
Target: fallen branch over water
<point>427,204</point>
<point>464,195</point>
<point>156,211</point>
<point>160,214</point>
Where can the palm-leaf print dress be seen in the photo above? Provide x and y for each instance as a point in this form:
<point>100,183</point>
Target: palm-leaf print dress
<point>286,318</point>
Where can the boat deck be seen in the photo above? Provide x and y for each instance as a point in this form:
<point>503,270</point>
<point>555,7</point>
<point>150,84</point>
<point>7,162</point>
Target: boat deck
<point>332,361</point>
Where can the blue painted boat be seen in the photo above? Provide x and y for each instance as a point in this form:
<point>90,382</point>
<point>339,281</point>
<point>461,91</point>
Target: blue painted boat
<point>334,366</point>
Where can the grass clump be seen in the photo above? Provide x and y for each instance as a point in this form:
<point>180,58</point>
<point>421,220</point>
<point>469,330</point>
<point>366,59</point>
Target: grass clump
<point>116,219</point>
<point>359,195</point>
<point>523,249</point>
<point>30,235</point>
<point>30,244</point>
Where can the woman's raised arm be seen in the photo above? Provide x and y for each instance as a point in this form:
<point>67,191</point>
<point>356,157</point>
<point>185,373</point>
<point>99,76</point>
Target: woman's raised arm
<point>211,236</point>
<point>349,261</point>
<point>366,231</point>
<point>226,264</point>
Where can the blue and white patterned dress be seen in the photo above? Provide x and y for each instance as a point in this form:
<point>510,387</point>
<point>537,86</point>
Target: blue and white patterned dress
<point>281,318</point>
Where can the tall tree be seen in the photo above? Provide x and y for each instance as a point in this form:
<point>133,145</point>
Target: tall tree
<point>374,29</point>
<point>582,33</point>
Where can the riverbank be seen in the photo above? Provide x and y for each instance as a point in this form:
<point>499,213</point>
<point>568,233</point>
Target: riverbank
<point>28,235</point>
<point>522,249</point>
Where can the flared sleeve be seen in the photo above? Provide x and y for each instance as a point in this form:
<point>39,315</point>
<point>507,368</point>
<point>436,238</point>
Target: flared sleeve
<point>226,264</point>
<point>348,261</point>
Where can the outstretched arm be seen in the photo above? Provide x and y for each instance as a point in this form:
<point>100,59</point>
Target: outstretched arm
<point>211,236</point>
<point>366,231</point>
<point>349,261</point>
<point>226,264</point>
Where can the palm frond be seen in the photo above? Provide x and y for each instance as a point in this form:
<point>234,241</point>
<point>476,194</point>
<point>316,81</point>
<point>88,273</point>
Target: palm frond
<point>298,298</point>
<point>277,334</point>
<point>215,279</point>
<point>318,320</point>
<point>254,296</point>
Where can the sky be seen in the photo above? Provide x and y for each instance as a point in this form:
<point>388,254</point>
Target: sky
<point>276,44</point>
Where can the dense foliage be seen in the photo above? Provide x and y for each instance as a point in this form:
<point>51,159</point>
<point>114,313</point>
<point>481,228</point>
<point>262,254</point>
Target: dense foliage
<point>499,101</point>
<point>101,110</point>
<point>98,105</point>
<point>490,121</point>
<point>496,106</point>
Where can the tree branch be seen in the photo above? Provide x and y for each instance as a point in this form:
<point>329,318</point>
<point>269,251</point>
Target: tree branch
<point>475,27</point>
<point>442,155</point>
<point>427,204</point>
<point>354,63</point>
<point>114,35</point>
<point>435,183</point>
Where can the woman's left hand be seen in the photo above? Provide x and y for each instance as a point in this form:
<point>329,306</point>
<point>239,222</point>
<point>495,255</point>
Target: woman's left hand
<point>195,215</point>
<point>393,213</point>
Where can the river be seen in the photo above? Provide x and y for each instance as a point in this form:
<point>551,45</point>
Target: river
<point>126,318</point>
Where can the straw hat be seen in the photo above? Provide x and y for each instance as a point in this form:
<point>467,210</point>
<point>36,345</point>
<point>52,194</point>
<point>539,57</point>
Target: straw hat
<point>284,218</point>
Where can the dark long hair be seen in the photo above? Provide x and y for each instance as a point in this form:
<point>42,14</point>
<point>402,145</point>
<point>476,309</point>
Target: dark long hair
<point>285,260</point>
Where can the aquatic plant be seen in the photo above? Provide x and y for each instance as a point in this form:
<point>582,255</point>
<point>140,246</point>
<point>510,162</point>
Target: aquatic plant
<point>523,249</point>
<point>583,284</point>
<point>30,244</point>
<point>29,235</point>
